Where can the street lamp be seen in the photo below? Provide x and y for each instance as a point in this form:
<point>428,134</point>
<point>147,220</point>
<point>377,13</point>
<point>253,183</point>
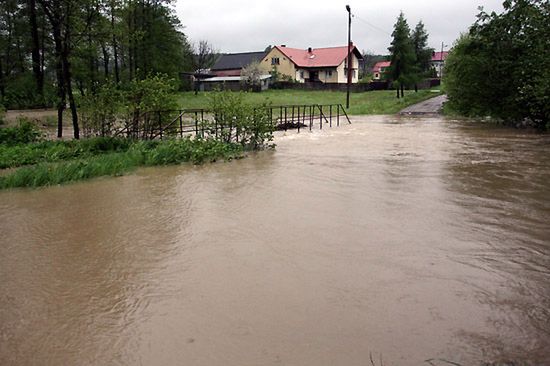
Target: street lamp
<point>349,55</point>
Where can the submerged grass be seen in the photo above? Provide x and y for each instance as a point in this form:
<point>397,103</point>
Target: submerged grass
<point>148,153</point>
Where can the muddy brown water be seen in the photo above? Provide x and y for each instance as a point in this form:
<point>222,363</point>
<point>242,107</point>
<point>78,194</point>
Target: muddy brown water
<point>412,241</point>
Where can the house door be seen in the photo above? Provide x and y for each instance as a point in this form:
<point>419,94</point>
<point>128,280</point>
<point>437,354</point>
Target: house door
<point>314,76</point>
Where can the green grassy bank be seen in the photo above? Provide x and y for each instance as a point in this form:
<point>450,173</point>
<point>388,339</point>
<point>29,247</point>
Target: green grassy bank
<point>373,102</point>
<point>55,162</point>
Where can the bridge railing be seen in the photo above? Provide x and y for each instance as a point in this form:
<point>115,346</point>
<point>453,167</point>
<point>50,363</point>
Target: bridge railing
<point>203,123</point>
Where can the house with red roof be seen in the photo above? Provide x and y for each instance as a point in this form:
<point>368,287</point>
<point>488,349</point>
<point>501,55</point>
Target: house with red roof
<point>325,65</point>
<point>379,69</point>
<point>438,61</point>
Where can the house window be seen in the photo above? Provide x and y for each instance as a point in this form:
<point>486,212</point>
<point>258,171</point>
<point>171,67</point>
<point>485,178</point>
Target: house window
<point>329,73</point>
<point>301,74</point>
<point>275,61</point>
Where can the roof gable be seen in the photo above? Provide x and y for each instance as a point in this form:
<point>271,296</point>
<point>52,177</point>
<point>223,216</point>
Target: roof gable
<point>229,61</point>
<point>440,56</point>
<point>379,65</point>
<point>318,57</point>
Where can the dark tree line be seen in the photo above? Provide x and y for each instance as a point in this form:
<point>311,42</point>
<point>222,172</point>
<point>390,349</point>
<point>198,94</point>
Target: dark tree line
<point>52,51</point>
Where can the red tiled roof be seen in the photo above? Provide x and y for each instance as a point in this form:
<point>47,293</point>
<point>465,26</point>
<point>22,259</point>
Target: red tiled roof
<point>379,65</point>
<point>319,57</point>
<point>438,56</point>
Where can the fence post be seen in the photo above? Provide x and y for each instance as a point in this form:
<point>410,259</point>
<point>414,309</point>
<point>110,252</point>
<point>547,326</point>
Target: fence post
<point>320,116</point>
<point>196,123</point>
<point>202,123</point>
<point>338,116</point>
<point>286,121</point>
<point>330,117</point>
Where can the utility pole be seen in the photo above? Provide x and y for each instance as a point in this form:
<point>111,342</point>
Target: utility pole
<point>349,55</point>
<point>441,61</point>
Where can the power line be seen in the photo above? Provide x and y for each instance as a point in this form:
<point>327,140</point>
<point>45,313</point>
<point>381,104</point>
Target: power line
<point>371,25</point>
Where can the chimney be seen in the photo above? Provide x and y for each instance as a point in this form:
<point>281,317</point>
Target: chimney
<point>309,49</point>
<point>283,45</point>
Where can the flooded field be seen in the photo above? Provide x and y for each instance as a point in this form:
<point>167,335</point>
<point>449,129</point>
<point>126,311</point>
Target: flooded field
<point>414,241</point>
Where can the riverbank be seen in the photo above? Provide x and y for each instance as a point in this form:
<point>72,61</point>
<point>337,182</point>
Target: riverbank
<point>55,162</point>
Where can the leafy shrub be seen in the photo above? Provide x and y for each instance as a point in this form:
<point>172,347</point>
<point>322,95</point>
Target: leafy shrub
<point>24,133</point>
<point>100,110</point>
<point>236,120</point>
<point>2,113</point>
<point>21,93</point>
<point>501,67</point>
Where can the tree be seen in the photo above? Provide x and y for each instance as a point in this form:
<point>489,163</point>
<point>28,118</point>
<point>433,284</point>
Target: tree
<point>59,14</point>
<point>402,55</point>
<point>370,59</point>
<point>501,67</point>
<point>251,74</point>
<point>423,53</point>
<point>204,57</point>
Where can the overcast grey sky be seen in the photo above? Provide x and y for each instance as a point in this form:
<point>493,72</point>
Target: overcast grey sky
<point>246,25</point>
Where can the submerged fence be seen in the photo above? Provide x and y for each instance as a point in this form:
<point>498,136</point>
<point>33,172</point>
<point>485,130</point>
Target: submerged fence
<point>203,123</point>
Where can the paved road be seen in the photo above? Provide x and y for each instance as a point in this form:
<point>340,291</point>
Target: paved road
<point>430,106</point>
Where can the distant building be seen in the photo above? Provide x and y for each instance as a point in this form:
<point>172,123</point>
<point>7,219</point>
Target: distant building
<point>379,69</point>
<point>231,64</point>
<point>438,61</point>
<point>325,65</point>
<point>233,83</point>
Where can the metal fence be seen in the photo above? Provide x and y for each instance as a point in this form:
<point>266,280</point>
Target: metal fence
<point>203,123</point>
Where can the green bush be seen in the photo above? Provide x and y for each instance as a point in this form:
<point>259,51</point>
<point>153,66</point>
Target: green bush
<point>501,67</point>
<point>21,93</point>
<point>2,113</point>
<point>239,121</point>
<point>26,132</point>
<point>100,111</point>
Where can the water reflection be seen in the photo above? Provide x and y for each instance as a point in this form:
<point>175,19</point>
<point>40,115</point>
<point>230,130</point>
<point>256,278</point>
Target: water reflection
<point>412,239</point>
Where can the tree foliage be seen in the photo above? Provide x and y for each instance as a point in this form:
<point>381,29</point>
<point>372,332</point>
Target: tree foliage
<point>423,53</point>
<point>48,48</point>
<point>403,58</point>
<point>501,68</point>
<point>251,74</point>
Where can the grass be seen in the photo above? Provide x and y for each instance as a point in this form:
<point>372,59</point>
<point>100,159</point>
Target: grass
<point>53,151</point>
<point>114,160</point>
<point>374,102</point>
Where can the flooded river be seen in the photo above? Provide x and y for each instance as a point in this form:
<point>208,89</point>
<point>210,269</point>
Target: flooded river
<point>412,241</point>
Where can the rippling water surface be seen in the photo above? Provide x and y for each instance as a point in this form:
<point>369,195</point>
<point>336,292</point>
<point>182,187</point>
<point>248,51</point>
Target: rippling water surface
<point>404,240</point>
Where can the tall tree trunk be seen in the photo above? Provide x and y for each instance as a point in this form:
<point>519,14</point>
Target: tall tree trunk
<point>105,60</point>
<point>2,87</point>
<point>131,42</point>
<point>36,64</point>
<point>67,74</point>
<point>397,89</point>
<point>91,65</point>
<point>402,92</point>
<point>60,78</point>
<point>115,47</point>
